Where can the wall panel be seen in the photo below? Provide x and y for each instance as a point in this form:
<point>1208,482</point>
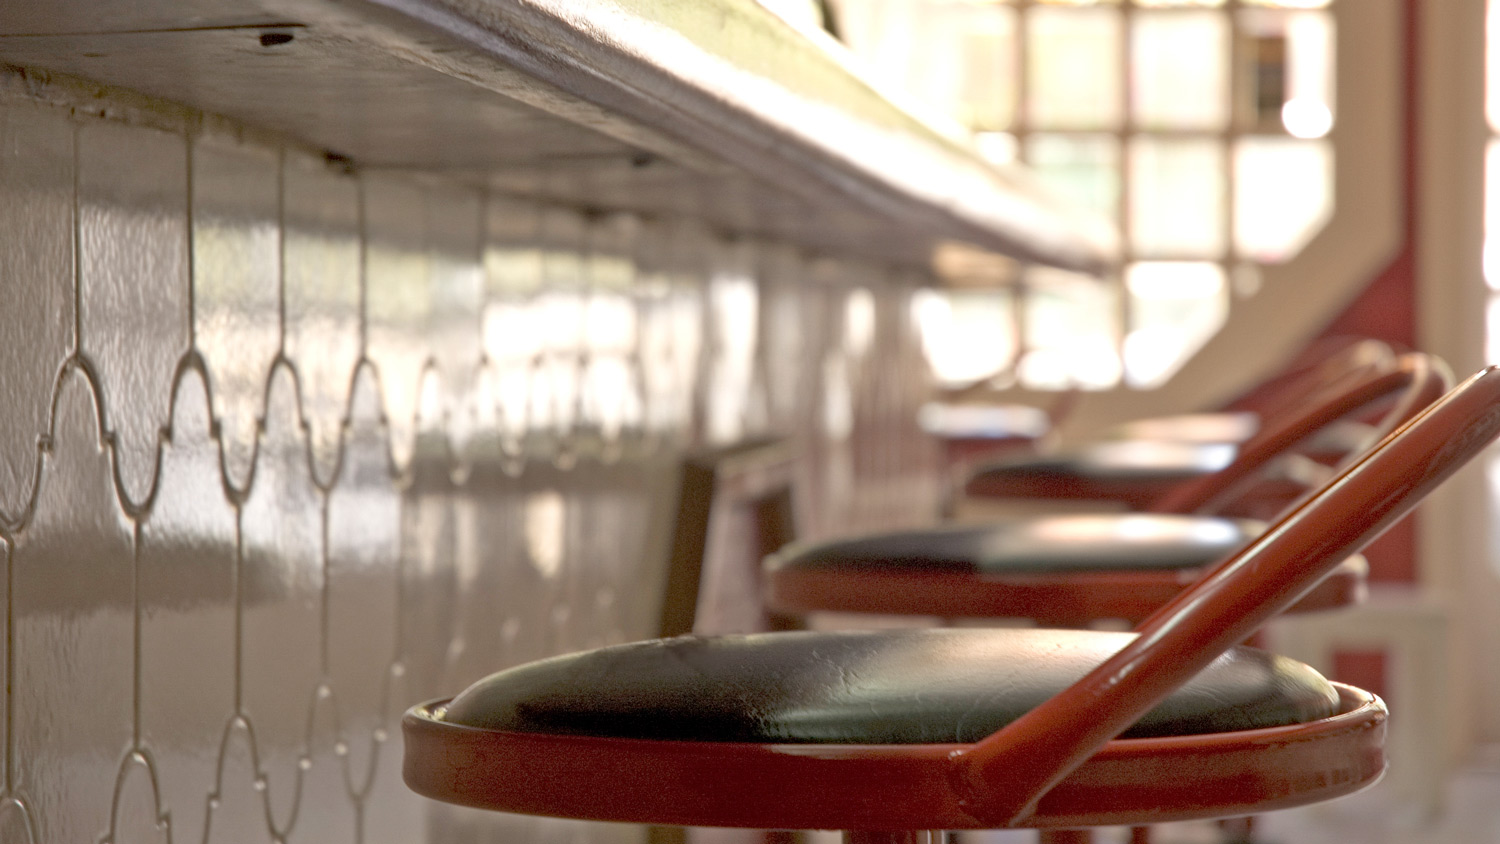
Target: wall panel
<point>298,445</point>
<point>38,317</point>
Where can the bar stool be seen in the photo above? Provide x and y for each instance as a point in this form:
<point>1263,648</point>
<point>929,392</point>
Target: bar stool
<point>1073,569</point>
<point>1322,367</point>
<point>1140,463</point>
<point>1069,570</point>
<point>892,735</point>
<point>972,431</point>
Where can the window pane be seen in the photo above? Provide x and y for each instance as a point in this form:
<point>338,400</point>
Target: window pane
<point>1492,67</point>
<point>1492,331</point>
<point>1289,79</point>
<point>964,61</point>
<point>1072,332</point>
<point>1288,4</point>
<point>1166,4</point>
<point>996,147</point>
<point>1073,68</point>
<point>1180,78</point>
<point>1492,215</point>
<point>1177,198</point>
<point>1283,195</point>
<point>1082,169</point>
<point>1175,308</point>
<point>1308,112</point>
<point>966,334</point>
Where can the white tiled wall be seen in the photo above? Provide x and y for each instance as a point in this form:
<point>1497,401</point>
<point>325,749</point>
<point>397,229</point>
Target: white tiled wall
<point>286,447</point>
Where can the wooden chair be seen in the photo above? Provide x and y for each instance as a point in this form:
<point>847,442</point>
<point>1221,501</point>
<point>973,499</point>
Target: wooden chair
<point>744,491</point>
<point>893,735</point>
<point>1073,569</point>
<point>733,507</point>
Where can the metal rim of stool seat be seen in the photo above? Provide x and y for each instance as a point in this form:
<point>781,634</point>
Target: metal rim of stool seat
<point>1067,599</point>
<point>829,786</point>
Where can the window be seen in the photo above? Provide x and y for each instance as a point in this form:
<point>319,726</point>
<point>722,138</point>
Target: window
<point>1197,127</point>
<point>1492,183</point>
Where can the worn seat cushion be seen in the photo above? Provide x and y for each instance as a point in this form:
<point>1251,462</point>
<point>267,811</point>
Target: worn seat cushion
<point>1122,461</point>
<point>1034,545</point>
<point>1200,428</point>
<point>884,687</point>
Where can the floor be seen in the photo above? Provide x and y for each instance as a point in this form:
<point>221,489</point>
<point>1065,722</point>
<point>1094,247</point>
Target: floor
<point>1471,816</point>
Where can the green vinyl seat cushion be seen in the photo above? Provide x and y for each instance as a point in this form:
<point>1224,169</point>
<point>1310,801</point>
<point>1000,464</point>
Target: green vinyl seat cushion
<point>882,687</point>
<point>1034,545</point>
